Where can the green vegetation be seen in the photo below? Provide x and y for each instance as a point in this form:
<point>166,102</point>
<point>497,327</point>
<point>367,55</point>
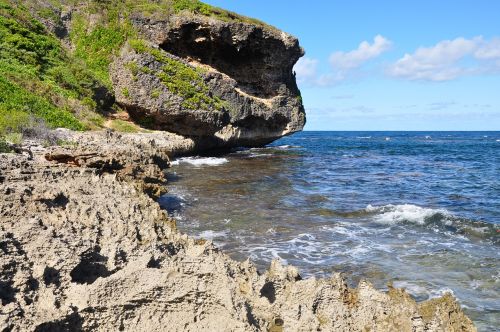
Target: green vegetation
<point>14,138</point>
<point>97,47</point>
<point>182,79</point>
<point>4,147</point>
<point>124,126</point>
<point>198,7</point>
<point>41,81</point>
<point>125,92</point>
<point>155,94</point>
<point>38,79</point>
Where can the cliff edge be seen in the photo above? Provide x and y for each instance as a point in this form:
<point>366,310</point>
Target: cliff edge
<point>241,90</point>
<point>179,66</point>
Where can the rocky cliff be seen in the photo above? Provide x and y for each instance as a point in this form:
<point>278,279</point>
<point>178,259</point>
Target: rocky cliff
<point>179,66</point>
<point>84,247</point>
<point>240,89</point>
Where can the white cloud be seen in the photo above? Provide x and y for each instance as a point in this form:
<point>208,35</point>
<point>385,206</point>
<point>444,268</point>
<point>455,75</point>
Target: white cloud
<point>356,58</point>
<point>442,62</point>
<point>344,64</point>
<point>489,50</point>
<point>306,69</point>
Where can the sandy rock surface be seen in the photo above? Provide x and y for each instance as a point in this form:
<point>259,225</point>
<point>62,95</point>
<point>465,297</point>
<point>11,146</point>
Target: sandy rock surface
<point>85,247</point>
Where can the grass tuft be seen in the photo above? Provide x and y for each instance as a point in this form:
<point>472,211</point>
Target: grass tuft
<point>124,126</point>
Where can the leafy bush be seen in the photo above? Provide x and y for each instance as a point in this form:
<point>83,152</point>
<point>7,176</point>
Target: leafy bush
<point>14,138</point>
<point>4,147</point>
<point>37,77</point>
<point>17,104</point>
<point>98,46</point>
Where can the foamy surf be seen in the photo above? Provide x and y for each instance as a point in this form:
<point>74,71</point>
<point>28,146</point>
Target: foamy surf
<point>213,235</point>
<point>393,214</point>
<point>200,161</point>
<point>439,219</point>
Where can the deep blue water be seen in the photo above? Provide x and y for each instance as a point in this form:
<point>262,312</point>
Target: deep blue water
<point>458,171</point>
<point>419,209</point>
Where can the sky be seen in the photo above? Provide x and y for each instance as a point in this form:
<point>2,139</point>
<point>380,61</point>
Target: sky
<point>392,64</point>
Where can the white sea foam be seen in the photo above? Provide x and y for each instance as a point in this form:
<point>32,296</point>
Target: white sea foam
<point>200,161</point>
<point>365,137</point>
<point>211,235</point>
<point>256,155</point>
<point>412,288</point>
<point>393,214</point>
<point>440,292</point>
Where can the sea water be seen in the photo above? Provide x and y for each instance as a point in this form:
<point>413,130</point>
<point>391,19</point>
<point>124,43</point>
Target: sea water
<point>418,209</point>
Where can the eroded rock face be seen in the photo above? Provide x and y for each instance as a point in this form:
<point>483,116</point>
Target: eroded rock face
<point>84,248</point>
<point>245,80</point>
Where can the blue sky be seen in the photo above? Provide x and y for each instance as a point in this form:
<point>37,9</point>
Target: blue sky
<point>392,65</point>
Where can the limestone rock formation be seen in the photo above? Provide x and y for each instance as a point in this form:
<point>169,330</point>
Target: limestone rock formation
<point>84,247</point>
<point>222,83</point>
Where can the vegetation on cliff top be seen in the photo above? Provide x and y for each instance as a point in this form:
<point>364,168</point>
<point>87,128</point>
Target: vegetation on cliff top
<point>179,78</point>
<point>41,80</point>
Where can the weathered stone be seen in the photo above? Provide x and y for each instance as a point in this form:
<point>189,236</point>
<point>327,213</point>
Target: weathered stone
<point>83,248</point>
<point>247,67</point>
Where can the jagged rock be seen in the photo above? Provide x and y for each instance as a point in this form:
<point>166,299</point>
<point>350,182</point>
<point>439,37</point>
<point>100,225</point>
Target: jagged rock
<point>243,92</point>
<point>83,248</point>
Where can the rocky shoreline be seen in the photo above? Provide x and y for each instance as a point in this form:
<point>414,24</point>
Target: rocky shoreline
<point>84,246</point>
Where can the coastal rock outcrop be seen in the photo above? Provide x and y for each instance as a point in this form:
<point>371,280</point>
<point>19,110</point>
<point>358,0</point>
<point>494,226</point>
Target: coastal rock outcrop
<point>222,83</point>
<point>85,247</point>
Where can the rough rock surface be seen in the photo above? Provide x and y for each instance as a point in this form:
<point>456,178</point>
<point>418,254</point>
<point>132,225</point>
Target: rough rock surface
<point>83,247</point>
<point>248,67</point>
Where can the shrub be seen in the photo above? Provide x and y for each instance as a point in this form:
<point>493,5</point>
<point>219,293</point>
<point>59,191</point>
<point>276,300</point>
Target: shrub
<point>155,94</point>
<point>14,138</point>
<point>4,146</point>
<point>17,103</point>
<point>37,77</point>
<point>125,92</point>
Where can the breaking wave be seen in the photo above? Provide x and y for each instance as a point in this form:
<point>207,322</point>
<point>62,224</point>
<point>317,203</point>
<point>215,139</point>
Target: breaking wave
<point>439,219</point>
<point>200,161</point>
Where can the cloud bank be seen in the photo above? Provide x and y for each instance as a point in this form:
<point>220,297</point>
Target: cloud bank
<point>343,64</point>
<point>449,59</point>
<point>445,61</point>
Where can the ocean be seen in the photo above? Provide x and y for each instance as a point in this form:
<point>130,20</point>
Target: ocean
<point>420,210</point>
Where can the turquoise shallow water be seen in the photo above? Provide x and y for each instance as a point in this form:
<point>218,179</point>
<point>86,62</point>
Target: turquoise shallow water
<point>419,209</point>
